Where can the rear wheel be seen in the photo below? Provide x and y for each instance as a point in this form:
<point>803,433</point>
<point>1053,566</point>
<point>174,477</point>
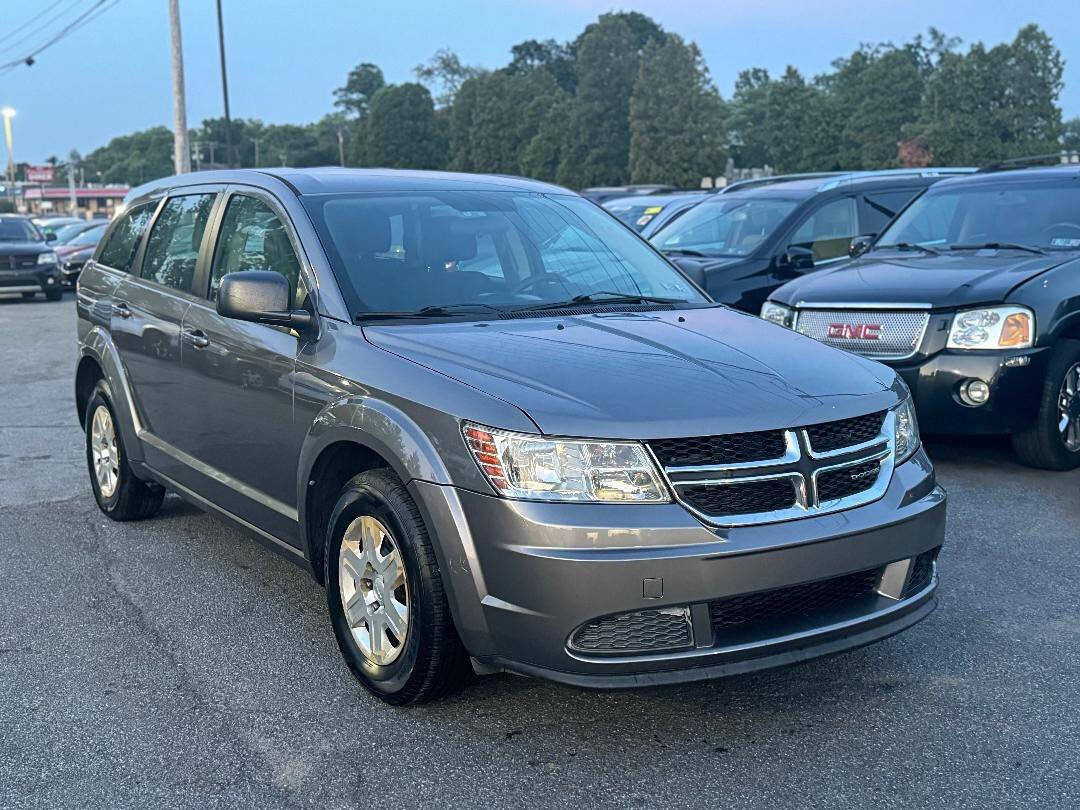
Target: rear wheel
<point>118,492</point>
<point>385,594</point>
<point>1052,441</point>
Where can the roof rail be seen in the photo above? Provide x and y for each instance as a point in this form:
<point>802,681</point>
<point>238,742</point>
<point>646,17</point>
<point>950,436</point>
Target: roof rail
<point>874,174</point>
<point>754,182</point>
<point>1062,158</point>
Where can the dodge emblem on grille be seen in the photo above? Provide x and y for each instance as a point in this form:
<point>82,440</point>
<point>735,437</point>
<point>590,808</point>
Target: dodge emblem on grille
<point>855,331</point>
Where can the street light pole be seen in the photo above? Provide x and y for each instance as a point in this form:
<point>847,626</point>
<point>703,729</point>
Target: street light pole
<point>224,88</point>
<point>181,157</point>
<point>8,113</point>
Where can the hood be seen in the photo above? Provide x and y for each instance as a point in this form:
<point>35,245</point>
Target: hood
<point>696,372</point>
<point>949,280</point>
<point>24,248</point>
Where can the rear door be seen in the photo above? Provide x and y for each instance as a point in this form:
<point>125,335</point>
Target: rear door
<point>245,439</point>
<point>148,309</point>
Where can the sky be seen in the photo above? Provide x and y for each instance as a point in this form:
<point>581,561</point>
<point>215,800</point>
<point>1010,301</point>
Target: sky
<point>112,76</point>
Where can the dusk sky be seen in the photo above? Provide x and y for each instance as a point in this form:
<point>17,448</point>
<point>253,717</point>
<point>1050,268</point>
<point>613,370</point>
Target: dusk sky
<point>285,58</point>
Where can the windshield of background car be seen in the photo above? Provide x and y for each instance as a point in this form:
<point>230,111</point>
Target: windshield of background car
<point>18,230</point>
<point>1039,214</point>
<point>636,215</point>
<point>725,227</point>
<point>405,251</point>
<point>68,232</point>
<point>91,236</point>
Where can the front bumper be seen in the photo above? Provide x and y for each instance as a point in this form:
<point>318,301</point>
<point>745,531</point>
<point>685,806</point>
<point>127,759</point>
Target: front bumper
<point>39,279</point>
<point>69,273</point>
<point>1015,379</point>
<point>523,577</point>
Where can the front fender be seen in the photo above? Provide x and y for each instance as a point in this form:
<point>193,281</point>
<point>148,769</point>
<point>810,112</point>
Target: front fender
<point>98,345</point>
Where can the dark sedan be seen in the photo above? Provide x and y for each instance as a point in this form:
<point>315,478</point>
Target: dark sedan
<point>28,263</point>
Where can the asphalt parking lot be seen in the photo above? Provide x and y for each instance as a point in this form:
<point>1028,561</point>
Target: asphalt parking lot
<point>176,663</point>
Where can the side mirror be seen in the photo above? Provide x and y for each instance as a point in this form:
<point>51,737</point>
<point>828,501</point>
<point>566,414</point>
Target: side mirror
<point>260,296</point>
<point>860,244</point>
<point>799,258</point>
<point>50,236</point>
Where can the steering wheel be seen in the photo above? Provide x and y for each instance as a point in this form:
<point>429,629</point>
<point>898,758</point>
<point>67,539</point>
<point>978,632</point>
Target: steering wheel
<point>540,279</point>
<point>1049,229</point>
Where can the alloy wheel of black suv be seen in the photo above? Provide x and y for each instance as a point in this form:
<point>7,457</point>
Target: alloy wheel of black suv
<point>1052,441</point>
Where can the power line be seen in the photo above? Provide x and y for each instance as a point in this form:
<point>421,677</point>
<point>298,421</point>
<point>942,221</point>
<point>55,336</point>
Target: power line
<point>33,19</point>
<point>11,46</point>
<point>87,16</point>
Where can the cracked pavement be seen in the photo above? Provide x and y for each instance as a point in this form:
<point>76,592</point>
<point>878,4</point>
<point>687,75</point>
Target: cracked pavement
<point>176,663</point>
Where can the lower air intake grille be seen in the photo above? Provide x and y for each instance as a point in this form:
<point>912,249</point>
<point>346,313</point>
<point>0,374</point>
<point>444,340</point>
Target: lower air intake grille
<point>846,481</point>
<point>641,631</point>
<point>922,572</point>
<point>793,602</point>
<point>741,499</point>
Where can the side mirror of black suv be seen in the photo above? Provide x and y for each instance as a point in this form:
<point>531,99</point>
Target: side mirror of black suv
<point>261,296</point>
<point>798,258</point>
<point>861,244</point>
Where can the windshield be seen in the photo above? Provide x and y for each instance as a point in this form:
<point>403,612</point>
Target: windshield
<point>636,215</point>
<point>1041,215</point>
<point>68,232</point>
<point>91,236</point>
<point>18,230</point>
<point>725,227</point>
<point>403,252</point>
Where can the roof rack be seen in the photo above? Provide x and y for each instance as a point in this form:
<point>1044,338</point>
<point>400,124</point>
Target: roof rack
<point>754,182</point>
<point>930,171</point>
<point>1062,158</point>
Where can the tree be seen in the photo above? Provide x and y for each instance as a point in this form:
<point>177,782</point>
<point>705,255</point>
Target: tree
<point>362,83</point>
<point>597,150</point>
<point>1070,134</point>
<point>676,124</point>
<point>401,130</point>
<point>542,155</point>
<point>447,73</point>
<point>550,56</point>
<point>132,159</point>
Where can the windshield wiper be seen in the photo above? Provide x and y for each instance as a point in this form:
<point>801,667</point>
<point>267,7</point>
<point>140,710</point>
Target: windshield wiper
<point>437,311</point>
<point>1000,246</point>
<point>685,252</point>
<point>909,246</point>
<point>601,297</point>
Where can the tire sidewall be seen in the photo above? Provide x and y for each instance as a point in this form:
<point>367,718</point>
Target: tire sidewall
<point>358,500</point>
<point>101,397</point>
<point>1067,355</point>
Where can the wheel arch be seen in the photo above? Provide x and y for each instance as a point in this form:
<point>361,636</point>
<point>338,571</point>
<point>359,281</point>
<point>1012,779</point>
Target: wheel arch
<point>98,354</point>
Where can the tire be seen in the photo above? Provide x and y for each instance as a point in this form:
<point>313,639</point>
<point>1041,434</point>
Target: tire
<point>1041,444</point>
<point>430,662</point>
<point>55,294</point>
<point>123,496</point>
<point>28,295</point>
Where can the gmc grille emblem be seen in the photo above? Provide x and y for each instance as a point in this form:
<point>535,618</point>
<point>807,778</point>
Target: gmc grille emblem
<point>855,331</point>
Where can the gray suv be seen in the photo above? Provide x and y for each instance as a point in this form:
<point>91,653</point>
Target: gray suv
<point>501,429</point>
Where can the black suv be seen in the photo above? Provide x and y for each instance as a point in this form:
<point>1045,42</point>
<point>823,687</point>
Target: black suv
<point>743,244</point>
<point>28,263</point>
<point>973,295</point>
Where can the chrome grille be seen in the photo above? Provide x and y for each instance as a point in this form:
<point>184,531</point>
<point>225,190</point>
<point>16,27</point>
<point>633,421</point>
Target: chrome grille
<point>881,334</point>
<point>824,468</point>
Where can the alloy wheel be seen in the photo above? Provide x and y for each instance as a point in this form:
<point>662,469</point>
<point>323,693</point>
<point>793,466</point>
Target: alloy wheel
<point>374,590</point>
<point>1069,409</point>
<point>104,452</point>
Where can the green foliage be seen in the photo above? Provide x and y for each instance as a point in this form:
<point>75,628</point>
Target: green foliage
<point>676,117</point>
<point>550,56</point>
<point>543,154</point>
<point>133,159</point>
<point>362,83</point>
<point>446,72</point>
<point>1070,134</point>
<point>401,130</point>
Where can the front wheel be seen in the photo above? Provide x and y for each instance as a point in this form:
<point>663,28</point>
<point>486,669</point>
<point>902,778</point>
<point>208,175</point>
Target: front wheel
<point>54,295</point>
<point>385,595</point>
<point>28,295</point>
<point>118,492</point>
<point>1052,441</point>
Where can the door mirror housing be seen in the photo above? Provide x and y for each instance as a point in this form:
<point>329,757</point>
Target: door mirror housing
<point>799,258</point>
<point>861,244</point>
<point>260,296</point>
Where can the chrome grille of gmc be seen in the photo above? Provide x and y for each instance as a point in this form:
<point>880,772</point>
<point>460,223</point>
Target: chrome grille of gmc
<point>748,478</point>
<point>881,334</point>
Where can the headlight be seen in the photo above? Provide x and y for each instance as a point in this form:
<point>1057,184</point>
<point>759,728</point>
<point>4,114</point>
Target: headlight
<point>993,328</point>
<point>905,431</point>
<point>47,258</point>
<point>521,465</point>
<point>778,313</point>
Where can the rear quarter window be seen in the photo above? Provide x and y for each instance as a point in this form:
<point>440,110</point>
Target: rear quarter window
<point>118,250</point>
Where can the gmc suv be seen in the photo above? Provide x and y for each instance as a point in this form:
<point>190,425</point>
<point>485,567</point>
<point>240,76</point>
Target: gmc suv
<point>503,431</point>
<point>973,296</point>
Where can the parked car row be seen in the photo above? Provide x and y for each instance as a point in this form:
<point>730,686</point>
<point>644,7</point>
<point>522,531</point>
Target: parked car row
<point>45,255</point>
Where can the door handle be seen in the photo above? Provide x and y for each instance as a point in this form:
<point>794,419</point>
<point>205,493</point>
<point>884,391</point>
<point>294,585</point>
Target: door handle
<point>197,338</point>
<point>121,309</point>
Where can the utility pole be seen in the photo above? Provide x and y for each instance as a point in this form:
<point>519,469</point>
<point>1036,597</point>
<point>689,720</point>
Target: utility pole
<point>72,199</point>
<point>181,157</point>
<point>8,113</point>
<point>224,88</point>
<point>341,147</point>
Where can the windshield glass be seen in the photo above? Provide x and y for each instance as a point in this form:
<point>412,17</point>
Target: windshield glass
<point>68,232</point>
<point>1042,215</point>
<point>18,230</point>
<point>725,227</point>
<point>403,252</point>
<point>91,236</point>
<point>637,215</point>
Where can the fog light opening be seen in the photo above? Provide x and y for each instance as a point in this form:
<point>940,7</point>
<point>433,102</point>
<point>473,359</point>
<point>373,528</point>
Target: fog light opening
<point>974,393</point>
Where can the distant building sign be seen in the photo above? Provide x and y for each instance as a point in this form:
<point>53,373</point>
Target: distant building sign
<point>39,174</point>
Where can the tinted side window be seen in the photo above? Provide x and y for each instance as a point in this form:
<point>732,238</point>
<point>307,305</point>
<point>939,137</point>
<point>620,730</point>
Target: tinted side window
<point>119,249</point>
<point>881,207</point>
<point>252,237</point>
<point>829,230</point>
<point>173,248</point>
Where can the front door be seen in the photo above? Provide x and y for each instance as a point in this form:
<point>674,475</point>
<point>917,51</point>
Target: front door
<point>148,310</point>
<point>241,374</point>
